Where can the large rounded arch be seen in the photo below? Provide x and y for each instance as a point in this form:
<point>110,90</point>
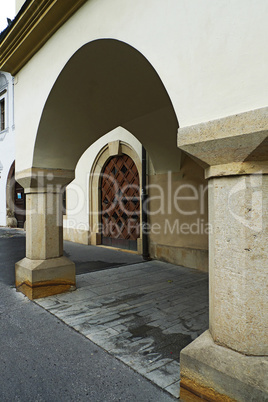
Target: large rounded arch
<point>106,83</point>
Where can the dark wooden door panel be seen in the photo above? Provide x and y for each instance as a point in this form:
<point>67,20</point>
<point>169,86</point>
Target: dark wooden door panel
<point>120,203</point>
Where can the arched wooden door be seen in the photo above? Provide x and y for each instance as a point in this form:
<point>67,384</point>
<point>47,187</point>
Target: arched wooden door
<point>120,203</point>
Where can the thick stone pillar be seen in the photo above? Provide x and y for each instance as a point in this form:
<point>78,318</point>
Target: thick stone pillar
<point>239,262</point>
<point>229,362</point>
<point>44,271</point>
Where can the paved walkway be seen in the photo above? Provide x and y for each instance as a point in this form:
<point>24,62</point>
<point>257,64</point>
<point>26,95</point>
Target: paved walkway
<point>143,313</point>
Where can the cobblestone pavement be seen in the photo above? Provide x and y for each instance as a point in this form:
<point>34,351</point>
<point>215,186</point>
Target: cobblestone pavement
<point>143,314</point>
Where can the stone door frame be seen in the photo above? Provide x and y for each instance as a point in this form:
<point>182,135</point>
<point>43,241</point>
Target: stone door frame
<point>111,149</point>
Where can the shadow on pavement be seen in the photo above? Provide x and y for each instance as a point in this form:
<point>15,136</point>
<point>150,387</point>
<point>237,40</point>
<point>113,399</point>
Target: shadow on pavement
<point>86,258</point>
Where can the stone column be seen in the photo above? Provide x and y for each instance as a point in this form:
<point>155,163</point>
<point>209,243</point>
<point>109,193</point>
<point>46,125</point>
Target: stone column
<point>44,271</point>
<point>239,261</point>
<point>229,362</point>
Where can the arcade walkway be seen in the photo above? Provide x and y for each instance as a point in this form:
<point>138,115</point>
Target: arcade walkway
<point>142,313</point>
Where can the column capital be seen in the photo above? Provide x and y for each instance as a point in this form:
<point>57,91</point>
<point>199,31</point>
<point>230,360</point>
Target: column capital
<point>236,169</point>
<point>232,145</point>
<point>40,180</point>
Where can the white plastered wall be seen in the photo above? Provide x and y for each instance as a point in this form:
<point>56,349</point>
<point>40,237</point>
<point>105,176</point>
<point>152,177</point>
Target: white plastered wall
<point>7,141</point>
<point>77,193</point>
<point>209,54</point>
<point>19,4</point>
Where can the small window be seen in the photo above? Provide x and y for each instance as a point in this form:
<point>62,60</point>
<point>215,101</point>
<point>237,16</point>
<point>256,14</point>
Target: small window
<point>2,114</point>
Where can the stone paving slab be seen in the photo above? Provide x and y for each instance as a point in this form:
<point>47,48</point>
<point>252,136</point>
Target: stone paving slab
<point>143,314</point>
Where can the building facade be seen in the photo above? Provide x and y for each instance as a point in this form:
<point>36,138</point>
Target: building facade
<point>155,115</point>
<point>12,201</point>
<point>7,144</point>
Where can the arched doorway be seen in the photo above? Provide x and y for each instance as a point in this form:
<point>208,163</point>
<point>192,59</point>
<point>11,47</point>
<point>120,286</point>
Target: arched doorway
<point>120,203</point>
<point>114,194</point>
<point>20,205</point>
<point>15,198</point>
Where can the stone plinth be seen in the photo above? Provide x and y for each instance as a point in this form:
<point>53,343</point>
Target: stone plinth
<point>220,374</point>
<point>41,278</point>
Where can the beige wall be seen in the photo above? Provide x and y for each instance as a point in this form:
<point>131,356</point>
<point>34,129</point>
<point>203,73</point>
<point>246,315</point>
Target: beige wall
<point>179,197</point>
<point>178,217</point>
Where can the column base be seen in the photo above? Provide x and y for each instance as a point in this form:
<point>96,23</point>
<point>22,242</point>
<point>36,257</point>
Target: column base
<point>41,278</point>
<point>216,373</point>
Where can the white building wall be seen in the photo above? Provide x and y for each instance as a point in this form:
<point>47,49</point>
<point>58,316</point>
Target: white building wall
<point>7,140</point>
<point>19,4</point>
<point>209,54</point>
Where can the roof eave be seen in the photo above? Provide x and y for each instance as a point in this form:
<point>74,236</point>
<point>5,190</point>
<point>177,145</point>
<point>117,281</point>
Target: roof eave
<point>31,29</point>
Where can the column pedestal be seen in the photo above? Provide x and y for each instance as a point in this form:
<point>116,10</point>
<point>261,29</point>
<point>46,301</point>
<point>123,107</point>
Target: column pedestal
<point>217,373</point>
<point>41,278</point>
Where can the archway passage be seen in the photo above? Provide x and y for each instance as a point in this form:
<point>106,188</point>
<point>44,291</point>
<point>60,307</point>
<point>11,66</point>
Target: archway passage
<point>20,205</point>
<point>120,88</point>
<point>120,203</point>
<point>15,198</point>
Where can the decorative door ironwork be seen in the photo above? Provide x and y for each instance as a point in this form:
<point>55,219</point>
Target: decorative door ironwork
<point>120,203</point>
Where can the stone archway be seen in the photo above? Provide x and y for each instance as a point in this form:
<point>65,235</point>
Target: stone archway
<point>120,88</point>
<point>15,200</point>
<point>110,150</point>
<point>10,188</point>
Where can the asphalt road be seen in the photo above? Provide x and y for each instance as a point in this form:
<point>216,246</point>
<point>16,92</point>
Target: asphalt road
<point>42,359</point>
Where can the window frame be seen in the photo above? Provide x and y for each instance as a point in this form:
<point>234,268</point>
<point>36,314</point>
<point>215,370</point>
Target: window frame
<point>2,114</point>
<point>3,100</point>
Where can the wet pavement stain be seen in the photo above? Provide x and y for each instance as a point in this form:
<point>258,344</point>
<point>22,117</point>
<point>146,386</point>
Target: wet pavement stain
<point>166,345</point>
